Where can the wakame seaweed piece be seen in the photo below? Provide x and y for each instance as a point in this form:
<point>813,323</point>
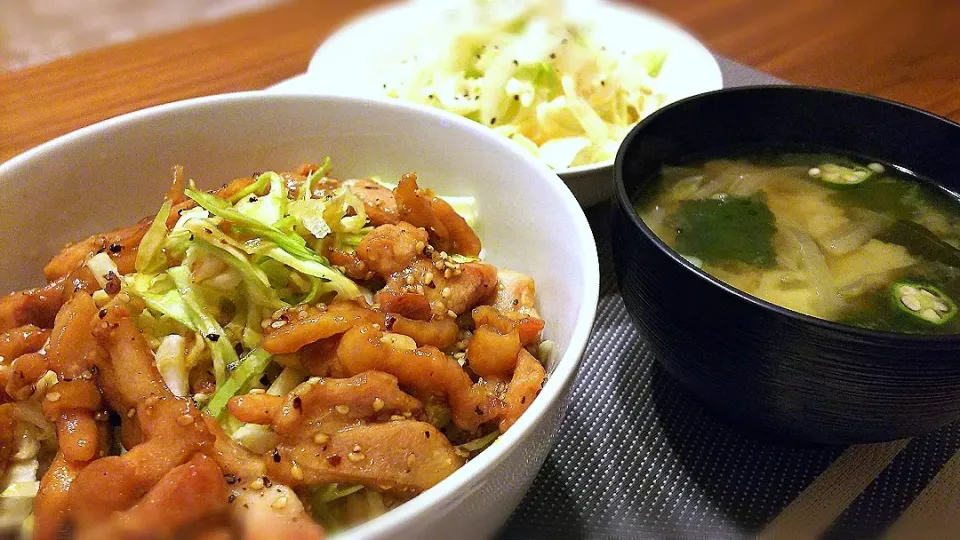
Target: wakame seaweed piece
<point>923,301</point>
<point>885,195</point>
<point>921,242</point>
<point>726,229</point>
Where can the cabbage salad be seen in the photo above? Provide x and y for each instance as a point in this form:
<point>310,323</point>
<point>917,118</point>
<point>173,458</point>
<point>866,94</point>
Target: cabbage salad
<point>534,75</point>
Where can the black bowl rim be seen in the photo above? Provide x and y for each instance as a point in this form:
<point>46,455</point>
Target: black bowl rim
<point>623,200</point>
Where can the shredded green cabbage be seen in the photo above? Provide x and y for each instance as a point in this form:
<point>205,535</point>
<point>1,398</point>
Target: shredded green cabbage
<point>248,369</point>
<point>150,256</point>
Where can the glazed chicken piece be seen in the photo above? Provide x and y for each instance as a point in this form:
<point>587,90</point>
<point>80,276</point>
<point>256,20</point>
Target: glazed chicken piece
<point>120,244</point>
<point>39,306</point>
<point>15,343</point>
<point>273,512</point>
<point>378,201</point>
<point>22,340</point>
<point>351,431</point>
<point>430,372</point>
<point>302,325</point>
<point>448,230</point>
<point>389,249</point>
<point>181,450</point>
<point>184,495</point>
<point>440,285</point>
<point>516,294</point>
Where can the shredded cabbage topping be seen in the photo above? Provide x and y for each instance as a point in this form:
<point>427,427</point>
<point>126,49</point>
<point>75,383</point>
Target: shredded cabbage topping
<point>535,76</point>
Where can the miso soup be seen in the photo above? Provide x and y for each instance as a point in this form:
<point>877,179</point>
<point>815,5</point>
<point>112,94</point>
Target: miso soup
<point>843,240</point>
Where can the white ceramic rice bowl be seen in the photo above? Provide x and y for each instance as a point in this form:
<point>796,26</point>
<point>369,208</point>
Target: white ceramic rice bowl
<point>116,172</point>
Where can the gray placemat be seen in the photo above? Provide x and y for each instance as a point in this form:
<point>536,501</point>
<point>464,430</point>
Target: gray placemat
<point>638,457</point>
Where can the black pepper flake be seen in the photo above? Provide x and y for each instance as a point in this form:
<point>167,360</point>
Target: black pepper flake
<point>276,456</point>
<point>115,248</point>
<point>334,459</point>
<point>426,434</point>
<point>516,301</point>
<point>255,175</point>
<point>388,321</point>
<point>238,348</point>
<point>191,237</point>
<point>553,56</point>
<point>297,403</point>
<point>112,286</point>
<point>478,410</point>
<point>516,97</point>
<point>231,498</point>
<point>603,83</point>
<point>516,63</point>
<point>267,482</point>
<point>564,41</point>
<point>523,399</point>
<point>493,120</point>
<point>102,314</point>
<point>213,337</point>
<point>253,198</point>
<point>230,478</point>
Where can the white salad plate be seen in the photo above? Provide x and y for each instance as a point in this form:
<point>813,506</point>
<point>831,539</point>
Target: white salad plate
<point>352,60</point>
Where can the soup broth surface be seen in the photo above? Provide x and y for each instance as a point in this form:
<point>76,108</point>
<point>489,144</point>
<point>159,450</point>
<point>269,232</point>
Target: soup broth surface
<point>840,239</point>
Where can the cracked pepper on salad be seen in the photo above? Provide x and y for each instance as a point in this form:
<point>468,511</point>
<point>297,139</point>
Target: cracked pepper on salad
<point>289,355</point>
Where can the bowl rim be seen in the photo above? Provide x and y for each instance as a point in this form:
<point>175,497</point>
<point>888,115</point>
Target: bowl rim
<point>566,365</point>
<point>577,171</point>
<point>625,204</point>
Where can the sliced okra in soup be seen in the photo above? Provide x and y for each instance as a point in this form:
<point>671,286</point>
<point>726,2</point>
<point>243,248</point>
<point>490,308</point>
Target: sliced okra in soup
<point>923,302</point>
<point>836,175</point>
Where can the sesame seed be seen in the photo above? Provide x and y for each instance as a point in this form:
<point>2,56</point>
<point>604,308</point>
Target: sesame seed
<point>131,413</point>
<point>342,409</point>
<point>356,456</point>
<point>356,448</point>
<point>447,273</point>
<point>53,397</point>
<point>445,292</point>
<point>420,246</point>
<point>296,472</point>
<point>279,503</point>
<point>256,485</point>
<point>185,420</point>
<point>428,278</point>
<point>452,314</point>
<point>277,324</point>
<point>257,391</point>
<point>396,417</point>
<point>321,438</point>
<point>411,459</point>
<point>409,279</point>
<point>378,404</point>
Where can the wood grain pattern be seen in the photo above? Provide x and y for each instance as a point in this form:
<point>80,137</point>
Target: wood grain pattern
<point>906,51</point>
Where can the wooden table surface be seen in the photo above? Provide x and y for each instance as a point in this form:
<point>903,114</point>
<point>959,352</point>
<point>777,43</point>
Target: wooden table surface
<point>908,51</point>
